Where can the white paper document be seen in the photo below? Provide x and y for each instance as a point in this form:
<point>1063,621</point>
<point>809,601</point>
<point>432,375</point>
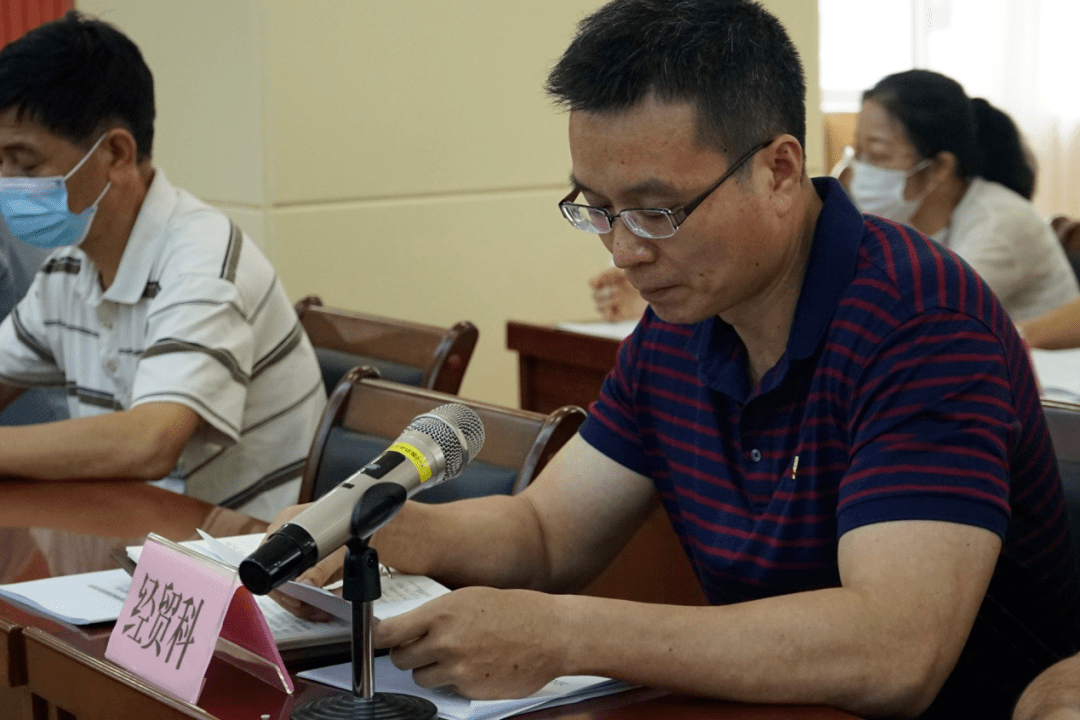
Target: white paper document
<point>76,599</point>
<point>573,688</point>
<point>400,593</point>
<point>617,330</point>
<point>1058,372</point>
<point>98,597</point>
<point>288,630</point>
<point>232,551</point>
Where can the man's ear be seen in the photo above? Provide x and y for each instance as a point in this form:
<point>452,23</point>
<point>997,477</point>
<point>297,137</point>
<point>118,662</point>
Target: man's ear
<point>123,150</point>
<point>785,161</point>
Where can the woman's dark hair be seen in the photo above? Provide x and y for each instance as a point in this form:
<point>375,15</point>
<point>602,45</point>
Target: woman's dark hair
<point>938,116</point>
<point>76,76</point>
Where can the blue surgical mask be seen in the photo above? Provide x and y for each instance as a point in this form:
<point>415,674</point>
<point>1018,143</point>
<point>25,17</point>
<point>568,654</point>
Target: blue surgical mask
<point>35,209</point>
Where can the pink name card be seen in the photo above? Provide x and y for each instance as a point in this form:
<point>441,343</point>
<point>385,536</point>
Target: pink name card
<point>174,615</point>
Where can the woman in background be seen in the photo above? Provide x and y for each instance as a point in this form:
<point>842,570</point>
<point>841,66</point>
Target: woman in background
<point>955,169</point>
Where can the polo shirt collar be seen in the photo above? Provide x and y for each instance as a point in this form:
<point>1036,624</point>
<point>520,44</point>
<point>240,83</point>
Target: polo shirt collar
<point>144,243</point>
<point>830,270</point>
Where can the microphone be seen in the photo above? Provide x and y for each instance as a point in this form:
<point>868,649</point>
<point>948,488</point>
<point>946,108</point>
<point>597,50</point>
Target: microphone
<point>436,446</point>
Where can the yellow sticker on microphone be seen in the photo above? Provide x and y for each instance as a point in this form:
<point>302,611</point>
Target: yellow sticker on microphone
<point>415,457</point>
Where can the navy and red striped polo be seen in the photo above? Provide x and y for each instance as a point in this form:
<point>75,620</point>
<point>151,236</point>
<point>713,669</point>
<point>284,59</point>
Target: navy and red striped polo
<point>904,393</point>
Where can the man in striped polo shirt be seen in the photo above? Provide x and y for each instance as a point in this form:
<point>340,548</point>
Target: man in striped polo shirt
<point>183,360</point>
<point>835,412</point>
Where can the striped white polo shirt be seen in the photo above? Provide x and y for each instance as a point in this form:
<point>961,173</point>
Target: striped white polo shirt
<point>196,316</point>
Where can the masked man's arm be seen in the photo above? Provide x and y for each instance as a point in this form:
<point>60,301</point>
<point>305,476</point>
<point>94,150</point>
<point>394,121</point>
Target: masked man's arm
<point>143,443</point>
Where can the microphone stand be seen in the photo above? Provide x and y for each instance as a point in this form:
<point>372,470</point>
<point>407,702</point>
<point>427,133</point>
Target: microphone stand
<point>362,587</point>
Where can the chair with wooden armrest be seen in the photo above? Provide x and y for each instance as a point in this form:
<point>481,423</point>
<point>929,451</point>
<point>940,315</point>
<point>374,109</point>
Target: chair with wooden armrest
<point>366,414</point>
<point>1067,230</point>
<point>424,356</point>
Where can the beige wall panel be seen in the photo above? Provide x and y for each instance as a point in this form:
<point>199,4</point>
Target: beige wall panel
<point>416,98</point>
<point>485,258</point>
<point>207,77</point>
<point>412,98</point>
<point>800,17</point>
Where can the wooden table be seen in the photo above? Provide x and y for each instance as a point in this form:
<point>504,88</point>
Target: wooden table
<point>559,367</point>
<point>650,704</point>
<point>65,676</point>
<point>15,699</point>
<point>69,679</point>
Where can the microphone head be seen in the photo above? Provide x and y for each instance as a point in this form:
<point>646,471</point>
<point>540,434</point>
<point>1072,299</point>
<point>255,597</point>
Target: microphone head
<point>457,430</point>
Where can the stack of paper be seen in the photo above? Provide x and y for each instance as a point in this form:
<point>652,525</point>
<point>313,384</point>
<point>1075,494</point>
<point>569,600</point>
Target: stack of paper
<point>98,597</point>
<point>76,599</point>
<point>388,679</point>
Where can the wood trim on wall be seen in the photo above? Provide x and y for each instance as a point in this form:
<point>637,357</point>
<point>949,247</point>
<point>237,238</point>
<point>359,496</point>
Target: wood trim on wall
<point>19,16</point>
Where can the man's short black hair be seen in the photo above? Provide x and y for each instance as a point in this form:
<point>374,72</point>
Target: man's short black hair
<point>730,58</point>
<point>78,76</point>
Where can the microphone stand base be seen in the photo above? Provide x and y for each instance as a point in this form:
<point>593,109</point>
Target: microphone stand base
<point>380,706</point>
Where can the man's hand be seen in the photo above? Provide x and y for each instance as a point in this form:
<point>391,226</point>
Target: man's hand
<point>319,575</point>
<point>1053,695</point>
<point>482,642</point>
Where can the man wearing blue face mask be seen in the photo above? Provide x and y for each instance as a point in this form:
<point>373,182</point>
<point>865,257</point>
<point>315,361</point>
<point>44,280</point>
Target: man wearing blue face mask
<point>36,209</point>
<point>182,358</point>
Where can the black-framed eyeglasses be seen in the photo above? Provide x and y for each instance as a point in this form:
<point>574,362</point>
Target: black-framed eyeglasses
<point>651,223</point>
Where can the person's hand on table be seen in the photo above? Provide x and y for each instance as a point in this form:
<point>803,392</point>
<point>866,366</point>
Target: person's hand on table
<point>1063,714</point>
<point>616,299</point>
<point>482,642</point>
<point>319,575</point>
<point>1053,695</point>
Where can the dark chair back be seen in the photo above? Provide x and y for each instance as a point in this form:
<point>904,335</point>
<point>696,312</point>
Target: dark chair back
<point>424,356</point>
<point>366,414</point>
<point>1063,420</point>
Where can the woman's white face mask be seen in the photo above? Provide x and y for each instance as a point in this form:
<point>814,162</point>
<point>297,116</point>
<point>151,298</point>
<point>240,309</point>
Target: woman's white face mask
<point>880,191</point>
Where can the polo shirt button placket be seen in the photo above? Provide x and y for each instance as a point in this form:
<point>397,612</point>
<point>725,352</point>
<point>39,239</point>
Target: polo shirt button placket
<point>105,316</point>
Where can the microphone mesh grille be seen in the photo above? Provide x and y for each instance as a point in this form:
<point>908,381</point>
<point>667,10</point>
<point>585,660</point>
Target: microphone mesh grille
<point>439,424</point>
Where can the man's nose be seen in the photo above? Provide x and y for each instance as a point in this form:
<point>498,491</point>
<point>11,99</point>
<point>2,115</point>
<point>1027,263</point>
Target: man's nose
<point>628,249</point>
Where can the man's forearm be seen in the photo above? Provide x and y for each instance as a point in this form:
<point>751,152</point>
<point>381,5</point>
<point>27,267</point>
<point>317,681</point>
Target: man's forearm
<point>1059,328</point>
<point>138,444</point>
<point>828,647</point>
<point>493,541</point>
<point>882,643</point>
